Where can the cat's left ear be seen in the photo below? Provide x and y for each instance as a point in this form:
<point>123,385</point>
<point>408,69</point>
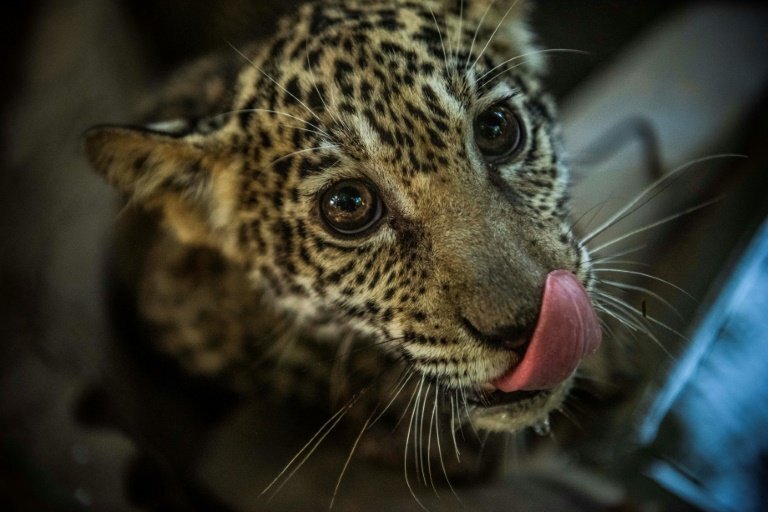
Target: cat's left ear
<point>188,178</point>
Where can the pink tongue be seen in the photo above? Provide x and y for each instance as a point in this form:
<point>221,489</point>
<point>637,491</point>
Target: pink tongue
<point>566,332</point>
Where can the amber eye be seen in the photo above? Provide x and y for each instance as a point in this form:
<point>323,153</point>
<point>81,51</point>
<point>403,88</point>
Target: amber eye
<point>350,207</point>
<point>498,133</point>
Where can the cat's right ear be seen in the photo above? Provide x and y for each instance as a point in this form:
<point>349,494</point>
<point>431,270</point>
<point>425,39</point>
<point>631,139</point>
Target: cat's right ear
<point>187,177</point>
<point>146,164</point>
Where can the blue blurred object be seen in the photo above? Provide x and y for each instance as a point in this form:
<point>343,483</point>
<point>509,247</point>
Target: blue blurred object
<point>715,402</point>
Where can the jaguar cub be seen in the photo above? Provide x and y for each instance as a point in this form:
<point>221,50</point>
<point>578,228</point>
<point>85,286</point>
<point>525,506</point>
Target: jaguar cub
<point>372,203</point>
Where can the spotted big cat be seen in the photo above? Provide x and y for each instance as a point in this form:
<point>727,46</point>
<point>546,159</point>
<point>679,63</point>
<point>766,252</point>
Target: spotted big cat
<point>371,205</point>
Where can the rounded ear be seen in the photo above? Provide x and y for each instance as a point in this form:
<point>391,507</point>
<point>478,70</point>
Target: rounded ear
<point>145,164</point>
<point>185,177</point>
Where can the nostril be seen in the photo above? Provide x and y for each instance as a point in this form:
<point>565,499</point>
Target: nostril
<point>503,336</point>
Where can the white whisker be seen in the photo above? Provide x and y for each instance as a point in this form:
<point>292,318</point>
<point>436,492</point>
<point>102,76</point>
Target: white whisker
<point>652,191</point>
<point>405,379</point>
<point>405,452</point>
<point>317,130</point>
<point>611,258</point>
<point>256,67</point>
<point>346,463</point>
<point>420,437</point>
<point>458,32</point>
<point>527,54</point>
<point>314,442</point>
<point>654,224</point>
<point>454,415</point>
<point>490,39</point>
<point>432,418</point>
<point>646,291</point>
<point>477,30</point>
<point>440,452</point>
<point>639,319</point>
<point>289,155</point>
<point>598,270</point>
<point>445,55</point>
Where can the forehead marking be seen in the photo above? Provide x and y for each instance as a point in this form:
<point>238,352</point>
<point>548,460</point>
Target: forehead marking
<point>368,136</point>
<point>448,100</point>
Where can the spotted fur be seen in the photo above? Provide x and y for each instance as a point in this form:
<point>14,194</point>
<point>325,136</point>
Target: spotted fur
<point>245,275</point>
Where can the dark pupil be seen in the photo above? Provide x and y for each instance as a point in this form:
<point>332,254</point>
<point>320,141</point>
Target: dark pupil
<point>493,124</point>
<point>497,133</point>
<point>347,200</point>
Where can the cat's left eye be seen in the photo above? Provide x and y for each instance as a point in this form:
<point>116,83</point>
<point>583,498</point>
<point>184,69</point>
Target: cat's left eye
<point>498,133</point>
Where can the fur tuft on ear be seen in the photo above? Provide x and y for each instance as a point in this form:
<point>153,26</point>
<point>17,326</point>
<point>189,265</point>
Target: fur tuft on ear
<point>183,176</point>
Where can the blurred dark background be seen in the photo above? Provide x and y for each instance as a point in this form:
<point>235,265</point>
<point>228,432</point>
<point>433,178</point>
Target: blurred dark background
<point>69,64</point>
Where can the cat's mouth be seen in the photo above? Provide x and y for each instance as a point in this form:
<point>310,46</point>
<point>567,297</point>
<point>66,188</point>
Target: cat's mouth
<point>510,412</point>
<point>566,332</point>
<point>496,398</point>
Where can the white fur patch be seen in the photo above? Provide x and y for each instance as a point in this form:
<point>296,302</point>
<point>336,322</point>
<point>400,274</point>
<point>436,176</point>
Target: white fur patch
<point>172,126</point>
<point>368,136</point>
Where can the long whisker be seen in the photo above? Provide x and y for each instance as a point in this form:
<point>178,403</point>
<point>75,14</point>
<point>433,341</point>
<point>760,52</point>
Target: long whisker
<point>650,192</point>
<point>613,313</point>
<point>294,153</point>
<point>314,83</point>
<point>418,422</point>
<point>400,386</point>
<point>490,39</point>
<point>405,453</point>
<point>408,405</point>
<point>610,258</point>
<point>622,312</point>
<point>466,410</point>
<point>458,32</point>
<point>624,262</point>
<point>432,418</point>
<point>655,224</point>
<point>594,209</point>
<point>477,30</point>
<point>643,274</point>
<point>513,66</point>
<point>651,319</point>
<point>621,316</point>
<point>454,414</point>
<point>627,308</point>
<point>314,442</point>
<point>317,129</point>
<point>420,437</point>
<point>337,388</point>
<point>256,67</point>
<point>346,463</point>
<point>528,54</point>
<point>440,452</point>
<point>646,291</point>
<point>445,55</point>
